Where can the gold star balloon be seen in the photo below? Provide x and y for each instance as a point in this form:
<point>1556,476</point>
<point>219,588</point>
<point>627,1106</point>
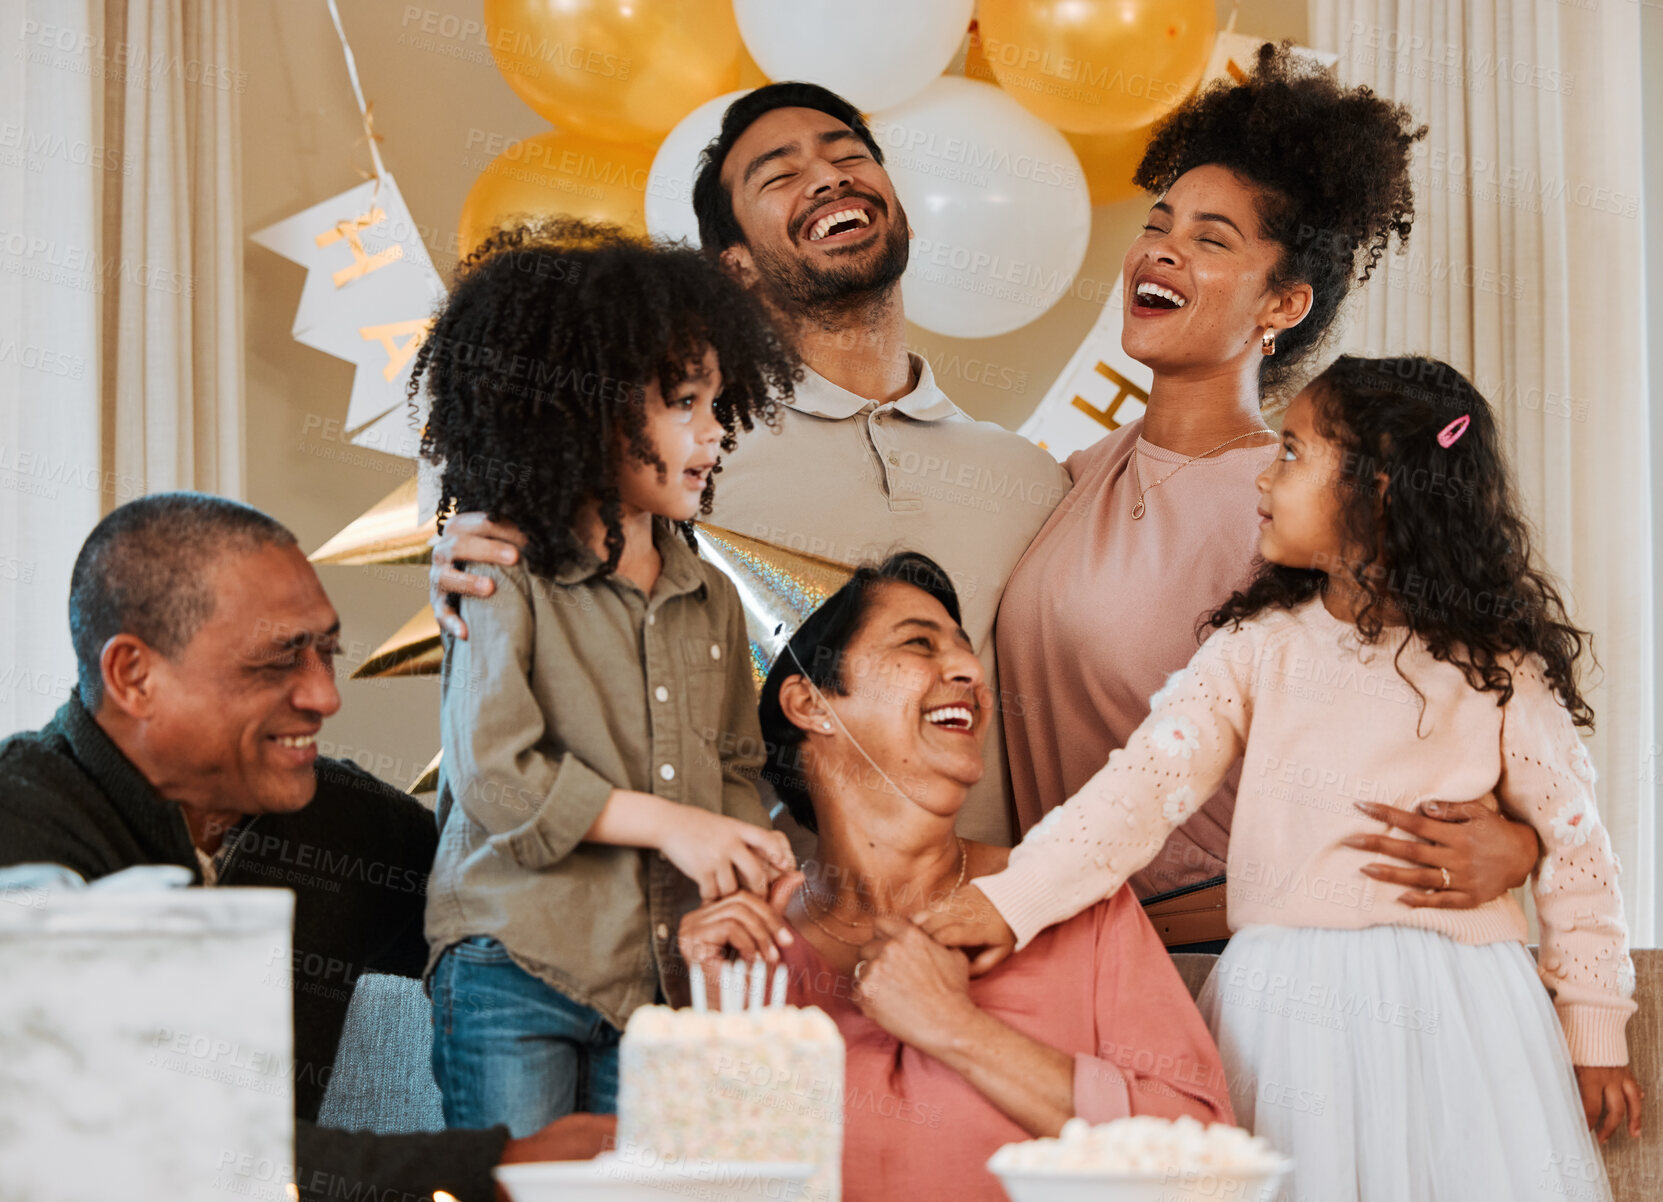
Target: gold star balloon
<point>778,588</point>
<point>413,650</point>
<point>390,531</point>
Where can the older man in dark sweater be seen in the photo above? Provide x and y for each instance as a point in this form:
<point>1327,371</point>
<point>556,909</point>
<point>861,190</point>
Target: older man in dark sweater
<point>205,645</point>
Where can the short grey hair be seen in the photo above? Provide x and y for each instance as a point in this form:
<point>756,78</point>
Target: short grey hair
<point>145,571</point>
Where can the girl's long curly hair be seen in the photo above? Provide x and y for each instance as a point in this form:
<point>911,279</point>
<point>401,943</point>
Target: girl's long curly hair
<point>1332,167</point>
<point>1437,532</point>
<point>537,362</point>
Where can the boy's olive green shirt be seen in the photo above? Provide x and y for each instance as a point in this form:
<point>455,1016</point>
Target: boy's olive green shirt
<point>565,689</point>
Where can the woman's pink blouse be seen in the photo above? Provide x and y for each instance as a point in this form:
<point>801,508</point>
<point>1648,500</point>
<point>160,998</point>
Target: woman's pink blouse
<point>1103,607</point>
<point>1099,987</point>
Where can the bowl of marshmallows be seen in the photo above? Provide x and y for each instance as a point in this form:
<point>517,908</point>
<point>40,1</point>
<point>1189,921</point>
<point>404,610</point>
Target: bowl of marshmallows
<point>1141,1159</point>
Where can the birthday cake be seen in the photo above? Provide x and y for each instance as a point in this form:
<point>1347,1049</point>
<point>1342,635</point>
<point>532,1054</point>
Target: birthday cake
<point>764,1084</point>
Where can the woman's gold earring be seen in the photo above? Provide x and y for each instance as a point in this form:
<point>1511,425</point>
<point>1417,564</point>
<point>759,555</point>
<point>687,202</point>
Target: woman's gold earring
<point>1267,344</point>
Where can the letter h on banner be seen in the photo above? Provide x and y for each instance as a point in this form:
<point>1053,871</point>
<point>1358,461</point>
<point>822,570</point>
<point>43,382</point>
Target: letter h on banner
<point>1107,416</point>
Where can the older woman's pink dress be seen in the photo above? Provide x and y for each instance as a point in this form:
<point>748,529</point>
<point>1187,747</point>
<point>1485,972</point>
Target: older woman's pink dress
<point>1099,987</point>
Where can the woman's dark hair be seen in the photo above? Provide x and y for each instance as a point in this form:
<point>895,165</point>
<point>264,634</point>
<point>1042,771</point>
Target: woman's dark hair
<point>712,202</point>
<point>817,651</point>
<point>536,366</point>
<point>1445,543</point>
<point>1331,164</point>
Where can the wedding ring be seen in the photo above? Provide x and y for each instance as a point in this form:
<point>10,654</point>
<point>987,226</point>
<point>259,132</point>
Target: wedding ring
<point>859,966</point>
<point>1445,871</point>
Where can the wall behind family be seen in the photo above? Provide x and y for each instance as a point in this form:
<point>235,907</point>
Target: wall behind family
<point>437,103</point>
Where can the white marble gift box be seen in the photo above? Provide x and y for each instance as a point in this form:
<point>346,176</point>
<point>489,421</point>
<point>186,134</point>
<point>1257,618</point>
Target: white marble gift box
<point>146,1044</point>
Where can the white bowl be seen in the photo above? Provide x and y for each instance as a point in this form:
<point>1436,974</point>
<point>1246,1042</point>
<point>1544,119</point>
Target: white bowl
<point>610,1178</point>
<point>1076,1185</point>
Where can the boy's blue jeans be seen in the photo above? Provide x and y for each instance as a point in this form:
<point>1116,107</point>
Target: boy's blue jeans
<point>509,1049</point>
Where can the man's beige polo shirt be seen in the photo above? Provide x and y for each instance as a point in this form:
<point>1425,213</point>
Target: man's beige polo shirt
<point>851,480</point>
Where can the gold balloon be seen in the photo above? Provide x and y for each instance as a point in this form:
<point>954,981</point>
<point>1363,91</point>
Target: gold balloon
<point>1097,66</point>
<point>557,173</point>
<point>750,75</point>
<point>1110,161</point>
<point>625,70</point>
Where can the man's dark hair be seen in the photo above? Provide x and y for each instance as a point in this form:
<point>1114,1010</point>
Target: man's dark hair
<point>712,202</point>
<point>817,651</point>
<point>145,570</point>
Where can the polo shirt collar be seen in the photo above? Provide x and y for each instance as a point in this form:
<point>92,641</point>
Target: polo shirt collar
<point>158,823</point>
<point>678,574</point>
<point>819,397</point>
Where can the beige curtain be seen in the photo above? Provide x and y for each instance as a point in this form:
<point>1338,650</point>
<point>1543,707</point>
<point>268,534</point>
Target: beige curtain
<point>120,292</point>
<point>1525,270</point>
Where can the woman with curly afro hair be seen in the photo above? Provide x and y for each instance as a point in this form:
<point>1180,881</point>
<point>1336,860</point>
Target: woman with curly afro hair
<point>1274,198</point>
<point>583,387</point>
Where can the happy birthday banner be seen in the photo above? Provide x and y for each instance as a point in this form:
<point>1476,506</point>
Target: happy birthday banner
<point>1103,388</point>
<point>369,298</point>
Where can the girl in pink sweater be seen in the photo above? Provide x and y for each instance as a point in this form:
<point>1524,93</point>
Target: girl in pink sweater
<point>1396,644</point>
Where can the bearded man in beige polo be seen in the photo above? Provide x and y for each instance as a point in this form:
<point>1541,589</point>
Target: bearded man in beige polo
<point>870,456</point>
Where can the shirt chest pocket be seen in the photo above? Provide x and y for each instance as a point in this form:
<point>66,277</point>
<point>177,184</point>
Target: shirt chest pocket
<point>703,665</point>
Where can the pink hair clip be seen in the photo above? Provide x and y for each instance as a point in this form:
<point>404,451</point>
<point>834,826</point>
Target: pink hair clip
<point>1453,431</point>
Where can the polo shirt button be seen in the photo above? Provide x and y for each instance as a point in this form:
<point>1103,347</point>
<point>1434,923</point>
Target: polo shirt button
<point>662,693</point>
<point>662,931</point>
<point>895,459</point>
<point>715,651</point>
<point>651,619</point>
<point>667,771</point>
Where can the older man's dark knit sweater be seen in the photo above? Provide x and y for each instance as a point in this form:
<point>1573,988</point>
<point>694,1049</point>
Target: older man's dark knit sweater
<point>357,859</point>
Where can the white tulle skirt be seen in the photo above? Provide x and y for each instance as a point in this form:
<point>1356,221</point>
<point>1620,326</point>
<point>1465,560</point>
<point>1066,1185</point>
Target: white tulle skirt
<point>1397,1065</point>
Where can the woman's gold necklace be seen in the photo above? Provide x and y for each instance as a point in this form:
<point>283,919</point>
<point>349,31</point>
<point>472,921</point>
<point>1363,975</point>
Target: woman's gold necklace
<point>1137,476</point>
<point>964,862</point>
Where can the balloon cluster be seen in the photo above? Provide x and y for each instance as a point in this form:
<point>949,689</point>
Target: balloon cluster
<point>997,168</point>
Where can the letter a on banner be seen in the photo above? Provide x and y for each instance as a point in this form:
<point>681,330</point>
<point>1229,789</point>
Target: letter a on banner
<point>398,353</point>
<point>369,294</point>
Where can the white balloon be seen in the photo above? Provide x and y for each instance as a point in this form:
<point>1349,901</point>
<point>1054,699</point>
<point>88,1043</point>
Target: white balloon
<point>873,53</point>
<point>669,199</point>
<point>999,206</point>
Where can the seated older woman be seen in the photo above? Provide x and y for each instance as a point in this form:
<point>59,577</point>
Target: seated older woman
<point>875,718</point>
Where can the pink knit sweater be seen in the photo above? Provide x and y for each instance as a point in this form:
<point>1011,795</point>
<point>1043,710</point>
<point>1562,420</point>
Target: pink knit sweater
<point>1320,722</point>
